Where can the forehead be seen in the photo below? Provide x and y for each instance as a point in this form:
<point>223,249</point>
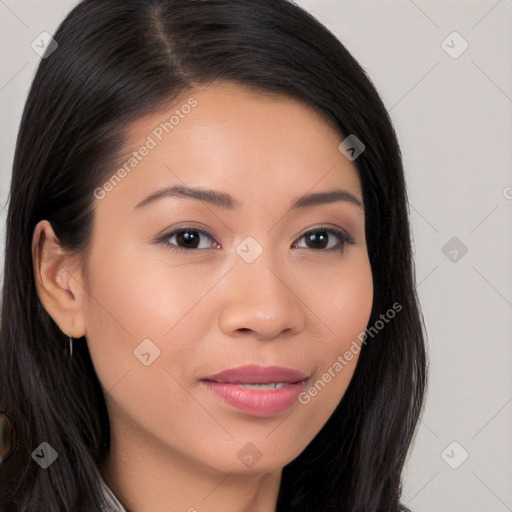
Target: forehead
<point>226,136</point>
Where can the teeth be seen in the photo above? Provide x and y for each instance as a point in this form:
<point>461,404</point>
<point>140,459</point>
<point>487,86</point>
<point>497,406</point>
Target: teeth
<point>270,385</point>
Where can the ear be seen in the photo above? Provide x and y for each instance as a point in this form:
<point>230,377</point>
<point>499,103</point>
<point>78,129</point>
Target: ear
<point>58,279</point>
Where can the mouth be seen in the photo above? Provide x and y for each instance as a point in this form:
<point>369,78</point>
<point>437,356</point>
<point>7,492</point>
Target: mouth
<point>265,386</point>
<point>259,375</point>
<point>257,390</point>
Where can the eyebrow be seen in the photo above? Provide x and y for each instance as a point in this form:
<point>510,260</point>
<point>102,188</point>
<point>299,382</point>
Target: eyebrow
<point>227,202</point>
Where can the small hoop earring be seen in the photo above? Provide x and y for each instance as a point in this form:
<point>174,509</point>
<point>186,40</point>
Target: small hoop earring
<point>70,348</point>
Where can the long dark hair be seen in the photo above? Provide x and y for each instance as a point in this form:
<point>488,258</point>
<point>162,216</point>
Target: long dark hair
<point>116,61</point>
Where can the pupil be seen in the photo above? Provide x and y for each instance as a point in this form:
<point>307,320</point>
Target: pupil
<point>188,236</point>
<point>315,238</point>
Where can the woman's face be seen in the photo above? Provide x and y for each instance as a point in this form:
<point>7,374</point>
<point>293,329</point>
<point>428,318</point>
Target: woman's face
<point>180,289</point>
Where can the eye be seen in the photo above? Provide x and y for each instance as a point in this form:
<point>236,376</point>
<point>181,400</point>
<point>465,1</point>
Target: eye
<point>319,238</point>
<point>188,238</point>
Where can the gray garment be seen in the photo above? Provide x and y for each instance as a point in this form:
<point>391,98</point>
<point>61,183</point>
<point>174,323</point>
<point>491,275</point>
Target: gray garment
<point>113,503</point>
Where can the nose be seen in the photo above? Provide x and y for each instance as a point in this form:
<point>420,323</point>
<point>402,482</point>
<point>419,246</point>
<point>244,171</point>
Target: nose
<point>260,298</point>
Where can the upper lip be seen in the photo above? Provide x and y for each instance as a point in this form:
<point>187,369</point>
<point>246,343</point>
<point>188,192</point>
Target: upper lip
<point>258,375</point>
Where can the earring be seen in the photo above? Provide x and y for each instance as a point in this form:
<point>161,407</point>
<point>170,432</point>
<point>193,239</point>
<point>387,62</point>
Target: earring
<point>70,347</point>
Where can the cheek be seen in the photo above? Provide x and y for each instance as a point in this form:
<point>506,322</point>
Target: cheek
<point>343,302</point>
<point>351,315</point>
<point>344,308</point>
<point>135,299</point>
<point>131,301</point>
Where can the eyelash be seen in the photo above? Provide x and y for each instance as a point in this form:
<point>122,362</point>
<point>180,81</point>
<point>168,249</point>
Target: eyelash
<point>344,238</point>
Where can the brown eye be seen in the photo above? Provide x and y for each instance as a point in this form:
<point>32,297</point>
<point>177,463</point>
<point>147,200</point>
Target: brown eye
<point>187,238</point>
<point>323,239</point>
<point>320,238</point>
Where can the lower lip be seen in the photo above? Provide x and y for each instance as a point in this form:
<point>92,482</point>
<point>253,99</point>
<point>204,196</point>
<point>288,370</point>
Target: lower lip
<point>255,401</point>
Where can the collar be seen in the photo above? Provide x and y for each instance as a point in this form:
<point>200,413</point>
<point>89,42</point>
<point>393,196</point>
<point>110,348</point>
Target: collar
<point>114,505</point>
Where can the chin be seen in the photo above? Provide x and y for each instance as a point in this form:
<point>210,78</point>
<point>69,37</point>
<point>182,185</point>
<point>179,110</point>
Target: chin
<point>250,458</point>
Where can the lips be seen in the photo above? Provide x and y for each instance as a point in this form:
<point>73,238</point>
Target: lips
<point>258,375</point>
<point>257,390</point>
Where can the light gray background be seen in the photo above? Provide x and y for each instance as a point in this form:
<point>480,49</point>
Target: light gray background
<point>454,123</point>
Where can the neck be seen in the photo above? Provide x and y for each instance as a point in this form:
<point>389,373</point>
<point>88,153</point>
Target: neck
<point>146,476</point>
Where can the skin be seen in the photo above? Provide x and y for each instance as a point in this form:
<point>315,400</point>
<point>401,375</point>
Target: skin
<point>174,444</point>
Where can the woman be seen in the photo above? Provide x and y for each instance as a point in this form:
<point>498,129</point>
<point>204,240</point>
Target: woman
<point>185,174</point>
